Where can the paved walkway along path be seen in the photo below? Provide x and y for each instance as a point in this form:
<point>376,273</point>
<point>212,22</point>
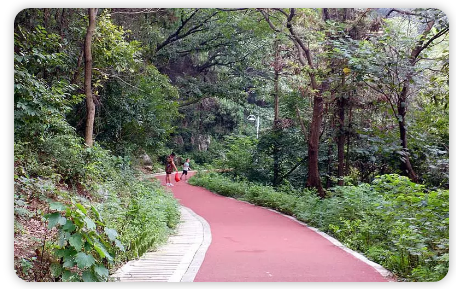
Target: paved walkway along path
<point>176,261</point>
<point>255,244</point>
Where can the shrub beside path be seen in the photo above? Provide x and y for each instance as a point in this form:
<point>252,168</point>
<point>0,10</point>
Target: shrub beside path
<point>255,244</point>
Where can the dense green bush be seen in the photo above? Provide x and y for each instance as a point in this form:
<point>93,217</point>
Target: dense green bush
<point>394,222</point>
<point>143,214</point>
<point>239,155</point>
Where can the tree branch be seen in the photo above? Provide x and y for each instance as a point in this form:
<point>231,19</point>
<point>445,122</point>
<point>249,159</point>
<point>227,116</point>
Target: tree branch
<point>145,11</point>
<point>177,36</point>
<point>388,97</point>
<point>400,12</point>
<point>266,17</point>
<point>424,46</point>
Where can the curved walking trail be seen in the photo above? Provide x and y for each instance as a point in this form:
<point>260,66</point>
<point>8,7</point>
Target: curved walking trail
<point>255,244</point>
<point>222,239</point>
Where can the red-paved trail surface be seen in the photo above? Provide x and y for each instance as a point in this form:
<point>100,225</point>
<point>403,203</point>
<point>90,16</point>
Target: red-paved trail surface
<point>253,244</point>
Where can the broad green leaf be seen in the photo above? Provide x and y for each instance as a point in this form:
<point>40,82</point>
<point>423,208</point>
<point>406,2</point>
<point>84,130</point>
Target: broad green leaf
<point>88,276</point>
<point>76,241</point>
<point>90,223</point>
<point>69,226</point>
<point>111,233</point>
<point>83,260</point>
<point>119,245</point>
<point>69,276</point>
<point>65,253</point>
<point>57,206</point>
<point>54,219</point>
<point>69,263</point>
<point>97,214</point>
<point>63,238</point>
<point>81,207</point>
<point>101,250</point>
<point>56,269</point>
<point>88,238</point>
<point>87,246</point>
<point>62,220</point>
<point>101,271</point>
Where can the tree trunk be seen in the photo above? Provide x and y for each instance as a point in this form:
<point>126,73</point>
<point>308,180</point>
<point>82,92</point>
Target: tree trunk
<point>347,156</point>
<point>75,78</point>
<point>62,23</point>
<point>276,115</point>
<point>276,83</point>
<point>402,110</point>
<point>401,104</point>
<point>304,57</point>
<point>88,78</point>
<point>328,166</point>
<point>275,181</point>
<point>313,179</point>
<point>46,13</point>
<point>341,141</point>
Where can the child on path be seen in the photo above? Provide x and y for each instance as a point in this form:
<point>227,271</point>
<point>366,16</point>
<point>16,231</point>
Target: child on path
<point>186,168</point>
<point>169,168</point>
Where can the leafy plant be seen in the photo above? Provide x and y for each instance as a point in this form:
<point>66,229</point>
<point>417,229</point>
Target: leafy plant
<point>85,247</point>
<point>143,212</point>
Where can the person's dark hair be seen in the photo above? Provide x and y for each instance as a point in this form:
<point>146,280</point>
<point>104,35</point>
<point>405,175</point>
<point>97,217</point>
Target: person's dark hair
<point>173,154</point>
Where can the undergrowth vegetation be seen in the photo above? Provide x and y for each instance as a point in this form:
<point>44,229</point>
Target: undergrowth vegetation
<point>393,221</point>
<point>81,212</point>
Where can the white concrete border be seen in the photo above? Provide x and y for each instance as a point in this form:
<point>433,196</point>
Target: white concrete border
<point>198,258</point>
<point>379,268</point>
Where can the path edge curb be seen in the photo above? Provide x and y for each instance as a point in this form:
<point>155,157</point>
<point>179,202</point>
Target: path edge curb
<point>379,268</point>
<point>389,276</point>
<point>200,253</point>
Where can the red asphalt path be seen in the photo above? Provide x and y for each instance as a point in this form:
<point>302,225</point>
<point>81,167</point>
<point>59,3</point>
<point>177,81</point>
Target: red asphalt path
<point>253,244</point>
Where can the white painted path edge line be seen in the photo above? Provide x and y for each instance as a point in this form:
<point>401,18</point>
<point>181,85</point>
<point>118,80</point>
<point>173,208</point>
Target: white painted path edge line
<point>379,268</point>
<point>198,257</point>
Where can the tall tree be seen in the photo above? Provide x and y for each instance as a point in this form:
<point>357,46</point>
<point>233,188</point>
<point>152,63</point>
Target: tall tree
<point>88,77</point>
<point>393,70</point>
<point>347,27</point>
<point>318,88</point>
<point>424,41</point>
<point>277,68</point>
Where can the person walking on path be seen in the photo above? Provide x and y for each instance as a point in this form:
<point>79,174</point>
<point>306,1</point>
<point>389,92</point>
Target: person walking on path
<point>186,168</point>
<point>169,168</point>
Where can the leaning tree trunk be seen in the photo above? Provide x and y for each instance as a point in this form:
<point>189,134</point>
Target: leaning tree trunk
<point>401,104</point>
<point>304,57</point>
<point>88,78</point>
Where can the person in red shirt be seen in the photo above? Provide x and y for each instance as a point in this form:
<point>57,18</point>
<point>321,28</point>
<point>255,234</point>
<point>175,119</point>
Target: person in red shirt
<point>169,168</point>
